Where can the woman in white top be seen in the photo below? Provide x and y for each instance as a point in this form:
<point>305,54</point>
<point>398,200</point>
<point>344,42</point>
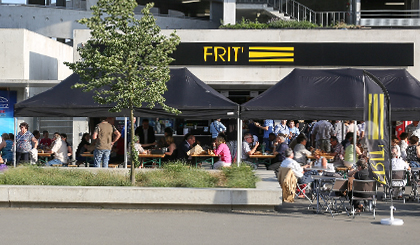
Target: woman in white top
<point>321,162</point>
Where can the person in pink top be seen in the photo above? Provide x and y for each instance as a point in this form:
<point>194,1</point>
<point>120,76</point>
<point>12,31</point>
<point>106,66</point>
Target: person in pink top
<point>223,151</point>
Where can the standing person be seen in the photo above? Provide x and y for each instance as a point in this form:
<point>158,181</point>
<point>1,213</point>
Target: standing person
<point>105,135</point>
<point>146,134</point>
<point>6,148</point>
<point>216,127</point>
<point>281,128</point>
<point>322,132</point>
<point>338,130</point>
<point>221,149</point>
<point>293,131</point>
<point>24,141</point>
<point>129,130</point>
<point>268,128</point>
<point>60,151</point>
<point>411,128</point>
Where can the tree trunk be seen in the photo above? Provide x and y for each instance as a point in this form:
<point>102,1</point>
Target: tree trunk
<point>134,156</point>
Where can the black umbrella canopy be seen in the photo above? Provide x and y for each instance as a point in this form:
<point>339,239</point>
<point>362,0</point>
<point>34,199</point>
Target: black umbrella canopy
<point>336,94</point>
<point>311,94</point>
<point>404,91</point>
<point>185,92</point>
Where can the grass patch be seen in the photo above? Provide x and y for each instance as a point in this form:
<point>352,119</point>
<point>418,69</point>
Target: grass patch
<point>272,24</point>
<point>34,175</point>
<point>177,174</point>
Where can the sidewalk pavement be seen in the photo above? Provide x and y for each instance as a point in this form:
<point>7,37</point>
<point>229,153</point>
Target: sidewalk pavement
<point>266,196</point>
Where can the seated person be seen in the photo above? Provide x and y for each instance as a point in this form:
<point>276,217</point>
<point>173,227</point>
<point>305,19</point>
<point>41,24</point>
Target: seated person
<point>246,147</point>
<point>280,150</point>
<point>413,152</point>
<point>60,152</point>
<point>300,152</point>
<point>162,142</point>
<point>337,152</point>
<point>321,162</point>
<point>45,141</point>
<point>84,146</point>
<point>221,149</point>
<point>398,164</point>
<point>69,149</point>
<point>6,148</point>
<point>171,153</point>
<point>185,146</point>
<point>362,173</point>
<point>271,139</point>
<point>348,153</point>
<point>281,147</point>
<point>298,170</point>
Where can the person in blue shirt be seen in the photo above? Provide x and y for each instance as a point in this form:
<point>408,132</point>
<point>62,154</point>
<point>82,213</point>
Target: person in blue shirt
<point>268,128</point>
<point>282,128</point>
<point>216,127</point>
<point>293,131</point>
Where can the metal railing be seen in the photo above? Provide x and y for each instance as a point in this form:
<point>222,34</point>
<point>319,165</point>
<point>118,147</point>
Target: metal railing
<point>300,12</point>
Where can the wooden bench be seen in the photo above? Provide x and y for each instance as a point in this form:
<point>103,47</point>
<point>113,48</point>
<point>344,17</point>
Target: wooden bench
<point>113,165</point>
<point>57,165</point>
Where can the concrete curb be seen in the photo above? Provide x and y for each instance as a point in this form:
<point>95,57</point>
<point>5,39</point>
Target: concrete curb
<point>266,196</point>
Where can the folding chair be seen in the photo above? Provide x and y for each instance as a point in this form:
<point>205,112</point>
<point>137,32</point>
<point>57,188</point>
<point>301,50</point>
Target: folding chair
<point>338,196</point>
<point>415,183</point>
<point>303,189</point>
<point>399,178</point>
<point>367,188</point>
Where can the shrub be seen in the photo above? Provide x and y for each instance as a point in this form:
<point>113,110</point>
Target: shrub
<point>240,177</point>
<point>272,24</point>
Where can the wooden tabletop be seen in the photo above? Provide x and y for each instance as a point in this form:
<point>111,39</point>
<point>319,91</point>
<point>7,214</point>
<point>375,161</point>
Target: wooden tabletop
<point>206,155</point>
<point>151,155</point>
<point>86,154</point>
<point>326,157</point>
<point>44,154</point>
<point>262,156</point>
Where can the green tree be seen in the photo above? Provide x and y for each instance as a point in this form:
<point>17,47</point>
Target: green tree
<point>126,60</point>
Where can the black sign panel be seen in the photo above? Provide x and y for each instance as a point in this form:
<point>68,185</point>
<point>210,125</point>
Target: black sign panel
<point>295,54</point>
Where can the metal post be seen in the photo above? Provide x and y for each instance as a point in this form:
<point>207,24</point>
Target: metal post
<point>14,148</point>
<point>354,141</point>
<point>239,139</point>
<point>125,142</point>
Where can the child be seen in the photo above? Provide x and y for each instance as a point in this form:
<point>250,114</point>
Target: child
<point>223,151</point>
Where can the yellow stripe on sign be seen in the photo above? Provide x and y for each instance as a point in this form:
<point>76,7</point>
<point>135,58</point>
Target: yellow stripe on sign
<point>375,117</point>
<point>269,54</point>
<point>381,104</point>
<point>271,60</point>
<point>369,124</point>
<point>273,48</point>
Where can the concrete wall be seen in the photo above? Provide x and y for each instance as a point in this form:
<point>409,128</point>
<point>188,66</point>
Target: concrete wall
<point>257,75</point>
<point>53,22</point>
<point>28,55</point>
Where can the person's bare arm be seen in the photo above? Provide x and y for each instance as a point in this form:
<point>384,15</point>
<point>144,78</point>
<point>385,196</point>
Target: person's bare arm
<point>324,163</point>
<point>35,142</point>
<point>117,135</point>
<point>252,151</point>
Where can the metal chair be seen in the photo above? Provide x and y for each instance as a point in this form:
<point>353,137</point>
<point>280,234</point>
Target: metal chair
<point>364,190</point>
<point>415,183</point>
<point>338,196</point>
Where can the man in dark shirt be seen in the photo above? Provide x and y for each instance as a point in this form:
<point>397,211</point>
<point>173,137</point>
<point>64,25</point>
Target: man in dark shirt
<point>280,152</point>
<point>146,134</point>
<point>185,146</point>
<point>361,173</point>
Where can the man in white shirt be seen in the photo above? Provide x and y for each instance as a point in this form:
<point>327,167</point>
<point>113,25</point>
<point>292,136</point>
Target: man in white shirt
<point>289,162</point>
<point>60,152</point>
